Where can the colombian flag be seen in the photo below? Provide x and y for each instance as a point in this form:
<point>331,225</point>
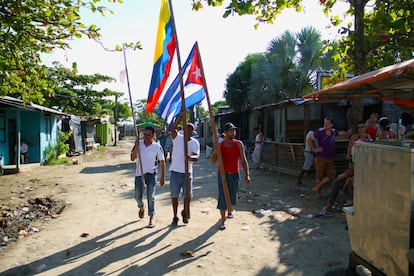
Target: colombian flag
<point>164,53</point>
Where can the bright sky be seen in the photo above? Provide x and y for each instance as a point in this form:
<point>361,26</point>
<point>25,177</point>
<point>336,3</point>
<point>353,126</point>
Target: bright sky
<point>223,43</point>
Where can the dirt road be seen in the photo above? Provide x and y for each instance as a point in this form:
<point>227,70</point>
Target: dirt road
<point>99,204</point>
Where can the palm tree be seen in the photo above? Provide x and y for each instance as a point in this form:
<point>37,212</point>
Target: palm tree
<point>288,67</point>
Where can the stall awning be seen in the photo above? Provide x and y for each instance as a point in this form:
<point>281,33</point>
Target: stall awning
<point>394,83</point>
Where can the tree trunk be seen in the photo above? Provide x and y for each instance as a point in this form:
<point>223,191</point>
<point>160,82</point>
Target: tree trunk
<point>359,55</point>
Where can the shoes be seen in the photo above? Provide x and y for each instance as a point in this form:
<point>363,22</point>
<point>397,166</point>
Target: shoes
<point>325,213</point>
<point>222,226</point>
<point>185,219</point>
<point>141,212</point>
<point>230,216</point>
<point>175,221</point>
<point>151,225</point>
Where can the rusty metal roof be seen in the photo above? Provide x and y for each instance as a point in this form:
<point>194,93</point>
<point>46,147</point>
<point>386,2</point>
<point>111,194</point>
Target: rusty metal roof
<point>394,82</point>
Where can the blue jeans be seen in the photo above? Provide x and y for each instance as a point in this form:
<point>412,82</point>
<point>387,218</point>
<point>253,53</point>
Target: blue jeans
<point>139,190</point>
<point>233,185</point>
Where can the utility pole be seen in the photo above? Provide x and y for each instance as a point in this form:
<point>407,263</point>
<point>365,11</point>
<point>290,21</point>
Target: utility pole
<point>116,120</point>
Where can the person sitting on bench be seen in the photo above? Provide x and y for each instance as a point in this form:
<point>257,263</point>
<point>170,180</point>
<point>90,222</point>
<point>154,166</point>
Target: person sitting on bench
<point>24,152</point>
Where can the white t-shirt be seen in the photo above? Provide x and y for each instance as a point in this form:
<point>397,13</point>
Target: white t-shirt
<point>24,148</point>
<point>309,134</point>
<point>150,154</point>
<point>178,161</point>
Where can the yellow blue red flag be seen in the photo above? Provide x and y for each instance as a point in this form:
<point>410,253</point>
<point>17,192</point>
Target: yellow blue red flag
<point>164,54</point>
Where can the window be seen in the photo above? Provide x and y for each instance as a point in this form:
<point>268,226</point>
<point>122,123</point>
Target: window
<point>2,128</point>
<point>48,128</point>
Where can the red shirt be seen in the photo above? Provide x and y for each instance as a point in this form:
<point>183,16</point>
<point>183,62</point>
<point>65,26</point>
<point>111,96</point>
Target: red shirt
<point>230,156</point>
<point>372,132</point>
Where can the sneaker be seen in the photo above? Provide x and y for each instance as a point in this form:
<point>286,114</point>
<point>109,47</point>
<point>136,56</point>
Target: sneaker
<point>175,221</point>
<point>141,212</point>
<point>325,213</point>
<point>185,219</point>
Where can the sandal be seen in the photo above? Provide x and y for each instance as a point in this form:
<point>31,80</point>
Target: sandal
<point>151,225</point>
<point>325,213</point>
<point>222,227</point>
<point>185,219</point>
<point>230,216</point>
<point>174,222</point>
<point>141,212</point>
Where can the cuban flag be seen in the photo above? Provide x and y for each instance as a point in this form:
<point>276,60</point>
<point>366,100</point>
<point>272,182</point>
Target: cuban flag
<point>164,54</point>
<point>170,105</point>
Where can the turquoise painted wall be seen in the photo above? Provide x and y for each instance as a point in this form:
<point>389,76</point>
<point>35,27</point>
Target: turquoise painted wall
<point>38,130</point>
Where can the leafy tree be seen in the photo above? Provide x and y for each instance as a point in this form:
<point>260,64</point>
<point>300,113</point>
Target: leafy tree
<point>287,70</point>
<point>142,116</point>
<point>77,94</point>
<point>29,28</point>
<point>123,111</point>
<point>384,37</point>
<point>380,37</point>
<point>238,85</point>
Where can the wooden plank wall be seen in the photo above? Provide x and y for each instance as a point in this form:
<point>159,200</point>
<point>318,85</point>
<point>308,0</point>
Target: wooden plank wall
<point>288,158</point>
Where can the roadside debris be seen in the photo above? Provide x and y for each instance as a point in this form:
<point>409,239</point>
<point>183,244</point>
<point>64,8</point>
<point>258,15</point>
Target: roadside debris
<point>16,223</point>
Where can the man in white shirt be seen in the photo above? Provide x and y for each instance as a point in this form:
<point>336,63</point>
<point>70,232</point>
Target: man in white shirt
<point>177,168</point>
<point>150,152</point>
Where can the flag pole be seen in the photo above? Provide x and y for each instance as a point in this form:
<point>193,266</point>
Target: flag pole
<point>215,138</point>
<point>184,117</point>
<point>133,118</point>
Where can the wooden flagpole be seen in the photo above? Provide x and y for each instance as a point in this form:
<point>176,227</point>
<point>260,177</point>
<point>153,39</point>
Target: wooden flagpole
<point>184,117</point>
<point>133,118</point>
<point>215,138</point>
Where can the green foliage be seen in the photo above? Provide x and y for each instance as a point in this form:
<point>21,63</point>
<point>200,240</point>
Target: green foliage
<point>263,10</point>
<point>76,93</point>
<point>380,34</point>
<point>28,28</point>
<point>123,111</point>
<point>52,152</point>
<point>142,116</point>
<point>286,70</point>
<point>238,84</point>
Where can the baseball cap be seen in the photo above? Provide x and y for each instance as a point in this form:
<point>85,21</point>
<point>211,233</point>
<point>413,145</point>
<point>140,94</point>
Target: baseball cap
<point>190,125</point>
<point>228,126</point>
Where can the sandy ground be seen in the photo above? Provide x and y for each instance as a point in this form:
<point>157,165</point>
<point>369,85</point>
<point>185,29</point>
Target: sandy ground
<point>99,202</point>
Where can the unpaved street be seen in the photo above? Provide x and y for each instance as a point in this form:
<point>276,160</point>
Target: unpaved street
<point>99,204</point>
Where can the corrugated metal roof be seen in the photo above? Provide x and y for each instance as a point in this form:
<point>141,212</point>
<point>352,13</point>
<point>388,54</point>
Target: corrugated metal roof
<point>10,101</point>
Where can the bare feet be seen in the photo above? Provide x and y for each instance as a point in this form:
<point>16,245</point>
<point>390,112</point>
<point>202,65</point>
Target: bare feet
<point>317,191</point>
